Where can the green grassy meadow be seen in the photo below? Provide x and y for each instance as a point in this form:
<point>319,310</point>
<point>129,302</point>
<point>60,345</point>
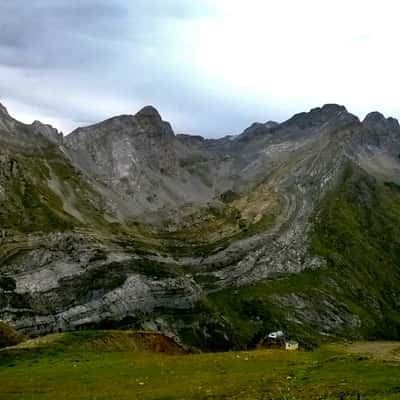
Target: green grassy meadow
<point>107,365</point>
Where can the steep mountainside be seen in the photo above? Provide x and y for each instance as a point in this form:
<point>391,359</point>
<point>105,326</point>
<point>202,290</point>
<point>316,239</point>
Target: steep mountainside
<point>291,226</point>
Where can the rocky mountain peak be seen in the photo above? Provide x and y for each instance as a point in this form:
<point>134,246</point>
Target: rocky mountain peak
<point>329,111</point>
<point>149,112</point>
<point>377,120</point>
<point>257,129</point>
<point>47,131</point>
<point>393,122</point>
<point>3,111</point>
<point>374,117</point>
<point>320,115</point>
<point>332,108</point>
<point>149,121</point>
<point>271,124</point>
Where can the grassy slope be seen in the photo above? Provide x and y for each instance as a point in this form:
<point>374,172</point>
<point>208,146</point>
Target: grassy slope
<point>75,368</point>
<point>357,230</point>
<point>211,229</point>
<point>31,204</point>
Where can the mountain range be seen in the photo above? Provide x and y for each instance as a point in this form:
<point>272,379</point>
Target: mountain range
<point>291,226</point>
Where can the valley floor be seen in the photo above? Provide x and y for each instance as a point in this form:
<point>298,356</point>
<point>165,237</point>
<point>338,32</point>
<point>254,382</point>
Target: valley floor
<point>100,365</point>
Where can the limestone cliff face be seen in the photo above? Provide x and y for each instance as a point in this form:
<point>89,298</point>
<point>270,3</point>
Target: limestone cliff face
<point>139,158</point>
<point>47,131</point>
<point>124,223</point>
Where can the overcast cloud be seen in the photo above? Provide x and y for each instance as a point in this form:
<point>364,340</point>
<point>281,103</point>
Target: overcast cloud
<point>211,67</point>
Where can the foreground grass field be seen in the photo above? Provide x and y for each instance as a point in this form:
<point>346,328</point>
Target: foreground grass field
<point>119,365</point>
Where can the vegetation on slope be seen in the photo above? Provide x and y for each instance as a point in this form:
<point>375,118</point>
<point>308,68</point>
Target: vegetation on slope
<point>36,185</point>
<point>212,228</point>
<point>358,232</point>
<point>357,295</point>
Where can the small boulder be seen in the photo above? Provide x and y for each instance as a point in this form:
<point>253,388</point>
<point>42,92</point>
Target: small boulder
<point>8,335</point>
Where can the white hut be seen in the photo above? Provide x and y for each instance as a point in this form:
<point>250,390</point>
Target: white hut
<point>291,345</point>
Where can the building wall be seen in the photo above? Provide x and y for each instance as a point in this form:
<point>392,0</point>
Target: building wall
<point>291,346</point>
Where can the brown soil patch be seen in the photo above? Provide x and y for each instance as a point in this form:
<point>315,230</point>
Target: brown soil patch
<point>136,341</point>
<point>379,350</point>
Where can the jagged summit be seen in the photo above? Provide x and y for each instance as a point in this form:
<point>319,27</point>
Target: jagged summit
<point>320,115</point>
<point>147,119</point>
<point>271,124</point>
<point>148,112</point>
<point>327,110</point>
<point>3,110</point>
<point>373,117</point>
<point>257,129</point>
<point>150,121</point>
<point>330,108</point>
<point>376,119</point>
<point>47,131</point>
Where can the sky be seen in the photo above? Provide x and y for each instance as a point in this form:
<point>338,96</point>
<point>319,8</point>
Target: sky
<point>211,67</point>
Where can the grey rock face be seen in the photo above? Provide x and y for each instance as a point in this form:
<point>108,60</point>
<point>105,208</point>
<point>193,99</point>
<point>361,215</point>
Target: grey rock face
<point>3,110</point>
<point>140,159</point>
<point>48,132</point>
<point>15,132</point>
<point>381,132</point>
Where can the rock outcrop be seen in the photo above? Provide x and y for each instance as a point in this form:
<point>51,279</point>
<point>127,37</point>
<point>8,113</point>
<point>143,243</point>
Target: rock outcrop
<point>8,335</point>
<point>48,132</point>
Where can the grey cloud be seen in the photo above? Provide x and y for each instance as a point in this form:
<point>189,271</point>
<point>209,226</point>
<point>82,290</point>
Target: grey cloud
<point>50,34</point>
<point>65,56</point>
